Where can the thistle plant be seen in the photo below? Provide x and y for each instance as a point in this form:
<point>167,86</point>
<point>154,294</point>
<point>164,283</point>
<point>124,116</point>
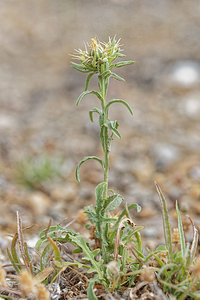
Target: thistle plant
<point>100,60</point>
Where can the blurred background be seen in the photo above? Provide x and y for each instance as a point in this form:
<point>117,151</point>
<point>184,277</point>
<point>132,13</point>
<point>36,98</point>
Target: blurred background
<point>43,135</point>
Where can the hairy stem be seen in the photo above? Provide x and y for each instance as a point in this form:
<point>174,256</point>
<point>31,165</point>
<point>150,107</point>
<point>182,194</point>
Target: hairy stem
<point>103,89</point>
<point>103,85</point>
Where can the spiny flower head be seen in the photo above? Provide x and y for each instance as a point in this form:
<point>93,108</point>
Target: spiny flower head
<point>98,53</point>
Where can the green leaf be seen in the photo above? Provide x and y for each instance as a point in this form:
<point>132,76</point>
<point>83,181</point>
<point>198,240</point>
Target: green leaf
<point>89,210</point>
<point>14,251</point>
<point>86,93</point>
<point>124,63</point>
<point>114,203</point>
<point>75,263</point>
<point>95,252</point>
<point>90,290</point>
<point>96,110</point>
<point>159,260</point>
<point>181,232</point>
<point>138,239</point>
<point>79,68</point>
<point>54,232</point>
<point>88,80</point>
<point>17,268</point>
<point>121,55</point>
<point>57,254</point>
<point>78,264</point>
<point>47,252</point>
<point>26,252</point>
<point>117,77</point>
<point>96,266</point>
<point>105,74</point>
<point>84,160</point>
<point>134,205</point>
<point>161,248</point>
<point>113,127</point>
<point>119,101</point>
<point>166,225</point>
<point>99,196</point>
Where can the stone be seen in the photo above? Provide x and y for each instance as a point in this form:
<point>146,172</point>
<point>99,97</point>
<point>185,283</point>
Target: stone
<point>3,243</point>
<point>164,155</point>
<point>190,106</point>
<point>39,203</point>
<point>194,172</point>
<point>64,192</point>
<point>185,74</point>
<point>7,122</point>
<point>142,169</point>
<point>150,232</point>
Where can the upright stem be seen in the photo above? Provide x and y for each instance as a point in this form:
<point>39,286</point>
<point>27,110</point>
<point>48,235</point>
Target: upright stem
<point>103,90</point>
<point>103,84</point>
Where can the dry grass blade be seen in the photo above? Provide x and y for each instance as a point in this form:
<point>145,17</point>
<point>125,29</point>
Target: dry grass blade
<point>44,274</point>
<point>194,243</point>
<point>21,241</point>
<point>120,227</point>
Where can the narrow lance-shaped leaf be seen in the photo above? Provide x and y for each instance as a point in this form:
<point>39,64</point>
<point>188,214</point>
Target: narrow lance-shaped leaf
<point>121,55</point>
<point>117,77</point>
<point>90,290</point>
<point>99,196</point>
<point>88,80</point>
<point>124,63</point>
<point>84,160</point>
<point>113,127</point>
<point>119,101</point>
<point>79,68</point>
<point>17,269</point>
<point>96,110</point>
<point>47,252</point>
<point>57,254</point>
<point>87,93</point>
<point>181,232</point>
<point>13,250</point>
<point>166,225</point>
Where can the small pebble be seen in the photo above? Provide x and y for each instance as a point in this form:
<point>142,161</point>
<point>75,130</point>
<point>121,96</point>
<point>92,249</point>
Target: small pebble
<point>32,242</point>
<point>3,243</point>
<point>150,232</point>
<point>7,122</point>
<point>38,203</point>
<point>190,107</point>
<point>185,74</point>
<point>64,192</point>
<point>164,155</point>
<point>194,172</point>
<point>175,193</point>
